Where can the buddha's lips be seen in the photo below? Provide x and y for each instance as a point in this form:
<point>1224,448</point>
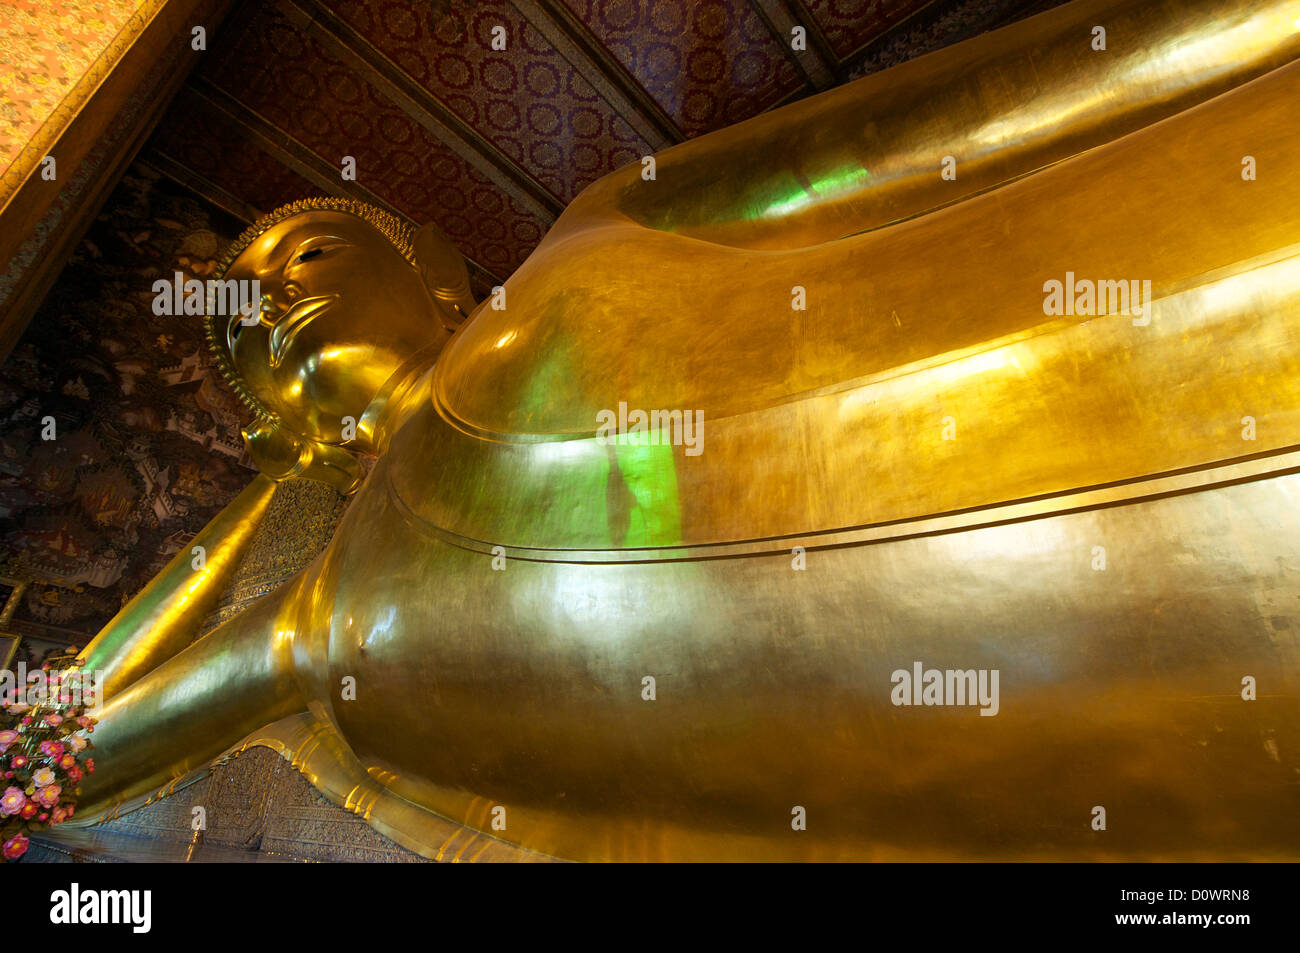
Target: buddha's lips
<point>294,320</point>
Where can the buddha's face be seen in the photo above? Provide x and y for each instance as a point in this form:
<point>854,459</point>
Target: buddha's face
<point>341,311</point>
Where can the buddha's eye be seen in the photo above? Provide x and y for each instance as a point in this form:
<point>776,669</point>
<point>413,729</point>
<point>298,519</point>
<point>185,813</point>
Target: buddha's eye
<point>313,248</point>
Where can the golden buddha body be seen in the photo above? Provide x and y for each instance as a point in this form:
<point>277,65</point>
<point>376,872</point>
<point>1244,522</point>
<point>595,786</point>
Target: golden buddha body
<point>948,571</point>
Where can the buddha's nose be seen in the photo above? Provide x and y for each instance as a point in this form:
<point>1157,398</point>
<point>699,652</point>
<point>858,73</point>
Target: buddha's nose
<point>269,312</point>
<point>278,301</point>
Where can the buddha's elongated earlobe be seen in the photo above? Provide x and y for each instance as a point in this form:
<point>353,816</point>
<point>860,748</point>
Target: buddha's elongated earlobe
<point>445,275</point>
<point>283,455</point>
<point>274,450</point>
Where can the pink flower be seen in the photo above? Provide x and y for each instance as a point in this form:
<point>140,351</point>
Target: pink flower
<point>67,761</point>
<point>15,847</point>
<point>74,773</point>
<point>17,761</point>
<point>42,777</point>
<point>52,749</point>
<point>12,802</point>
<point>28,811</point>
<point>76,743</point>
<point>54,720</point>
<point>90,765</point>
<point>7,738</point>
<point>58,816</point>
<point>85,721</point>
<point>48,796</point>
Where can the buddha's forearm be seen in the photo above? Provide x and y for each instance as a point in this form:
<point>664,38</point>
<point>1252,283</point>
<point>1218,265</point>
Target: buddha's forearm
<point>165,616</point>
<point>189,710</point>
<point>1002,105</point>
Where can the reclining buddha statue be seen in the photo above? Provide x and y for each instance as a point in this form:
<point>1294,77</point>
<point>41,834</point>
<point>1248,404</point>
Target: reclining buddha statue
<point>966,525</point>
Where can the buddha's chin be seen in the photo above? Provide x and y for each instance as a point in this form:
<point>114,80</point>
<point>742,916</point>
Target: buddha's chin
<point>326,392</point>
<point>324,426</point>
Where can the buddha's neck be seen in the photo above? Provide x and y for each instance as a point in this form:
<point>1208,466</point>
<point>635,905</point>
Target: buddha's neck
<point>392,405</point>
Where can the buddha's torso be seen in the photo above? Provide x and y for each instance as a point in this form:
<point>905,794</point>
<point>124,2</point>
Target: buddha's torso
<point>917,467</point>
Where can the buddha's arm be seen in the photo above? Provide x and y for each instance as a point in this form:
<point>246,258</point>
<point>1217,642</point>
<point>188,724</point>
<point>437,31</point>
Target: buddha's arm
<point>165,616</point>
<point>190,709</point>
<point>1002,105</point>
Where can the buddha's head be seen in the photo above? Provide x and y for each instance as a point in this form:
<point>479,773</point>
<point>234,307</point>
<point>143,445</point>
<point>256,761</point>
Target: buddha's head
<point>348,296</point>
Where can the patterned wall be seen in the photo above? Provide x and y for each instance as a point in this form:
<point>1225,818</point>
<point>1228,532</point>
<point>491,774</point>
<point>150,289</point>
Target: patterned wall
<point>846,22</point>
<point>708,64</point>
<point>532,105</point>
<point>306,91</point>
<point>148,446</point>
<point>491,144</point>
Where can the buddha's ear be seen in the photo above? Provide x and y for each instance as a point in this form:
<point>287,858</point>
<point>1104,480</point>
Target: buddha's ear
<point>443,269</point>
<point>283,455</point>
<point>275,451</point>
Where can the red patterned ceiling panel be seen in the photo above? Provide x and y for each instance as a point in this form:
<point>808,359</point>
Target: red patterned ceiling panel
<point>707,64</point>
<point>526,100</point>
<point>208,142</point>
<point>848,24</point>
<point>293,82</point>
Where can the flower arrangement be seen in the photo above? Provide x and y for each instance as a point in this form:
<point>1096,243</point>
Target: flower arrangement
<point>43,755</point>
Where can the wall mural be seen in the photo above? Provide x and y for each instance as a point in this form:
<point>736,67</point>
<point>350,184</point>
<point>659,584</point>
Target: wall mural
<point>148,446</point>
